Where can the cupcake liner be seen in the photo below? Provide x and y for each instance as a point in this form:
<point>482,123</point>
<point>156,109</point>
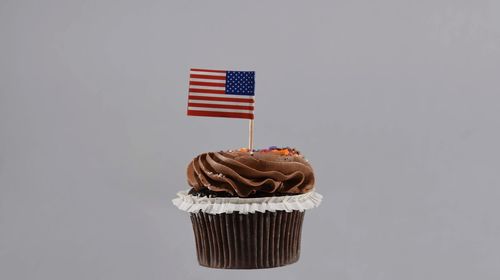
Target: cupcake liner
<point>247,233</point>
<point>247,241</point>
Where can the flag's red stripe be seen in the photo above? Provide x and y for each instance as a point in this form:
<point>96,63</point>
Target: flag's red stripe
<point>198,76</point>
<point>202,90</point>
<point>207,70</point>
<point>219,114</point>
<point>236,107</point>
<point>193,83</point>
<point>228,99</point>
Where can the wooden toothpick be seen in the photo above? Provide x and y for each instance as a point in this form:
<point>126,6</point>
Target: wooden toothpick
<point>250,135</point>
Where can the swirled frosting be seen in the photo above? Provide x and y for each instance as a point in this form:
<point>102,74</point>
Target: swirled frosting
<point>243,173</point>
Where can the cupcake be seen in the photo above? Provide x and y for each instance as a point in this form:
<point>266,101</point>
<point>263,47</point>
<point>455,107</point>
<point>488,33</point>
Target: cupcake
<point>247,207</point>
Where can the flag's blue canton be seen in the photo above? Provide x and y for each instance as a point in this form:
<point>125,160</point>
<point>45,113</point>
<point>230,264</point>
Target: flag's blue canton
<point>240,82</point>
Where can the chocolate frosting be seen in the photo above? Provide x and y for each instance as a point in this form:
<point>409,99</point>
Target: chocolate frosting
<point>243,174</point>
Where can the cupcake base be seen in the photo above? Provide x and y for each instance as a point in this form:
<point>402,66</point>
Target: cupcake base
<point>247,241</point>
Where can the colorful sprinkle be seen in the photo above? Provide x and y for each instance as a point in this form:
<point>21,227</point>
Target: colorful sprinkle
<point>286,151</point>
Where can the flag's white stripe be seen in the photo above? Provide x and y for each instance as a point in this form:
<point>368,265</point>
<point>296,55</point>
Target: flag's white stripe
<point>207,87</point>
<point>207,80</point>
<point>221,102</point>
<point>207,73</point>
<point>221,95</point>
<point>220,110</point>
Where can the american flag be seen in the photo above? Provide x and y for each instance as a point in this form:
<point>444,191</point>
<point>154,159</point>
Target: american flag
<point>220,93</point>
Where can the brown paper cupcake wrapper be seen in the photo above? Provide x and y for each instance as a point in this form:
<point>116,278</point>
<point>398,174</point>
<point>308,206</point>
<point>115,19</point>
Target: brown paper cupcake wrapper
<point>246,241</point>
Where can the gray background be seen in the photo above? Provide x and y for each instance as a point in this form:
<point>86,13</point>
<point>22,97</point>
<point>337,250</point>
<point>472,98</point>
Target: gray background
<point>395,103</point>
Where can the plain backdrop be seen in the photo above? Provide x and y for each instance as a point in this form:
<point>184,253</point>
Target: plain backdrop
<point>395,103</point>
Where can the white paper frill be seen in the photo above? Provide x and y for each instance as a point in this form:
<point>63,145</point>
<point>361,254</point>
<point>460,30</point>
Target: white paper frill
<point>218,205</point>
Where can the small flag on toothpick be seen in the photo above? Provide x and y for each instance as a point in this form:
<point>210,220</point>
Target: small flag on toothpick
<point>221,93</point>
